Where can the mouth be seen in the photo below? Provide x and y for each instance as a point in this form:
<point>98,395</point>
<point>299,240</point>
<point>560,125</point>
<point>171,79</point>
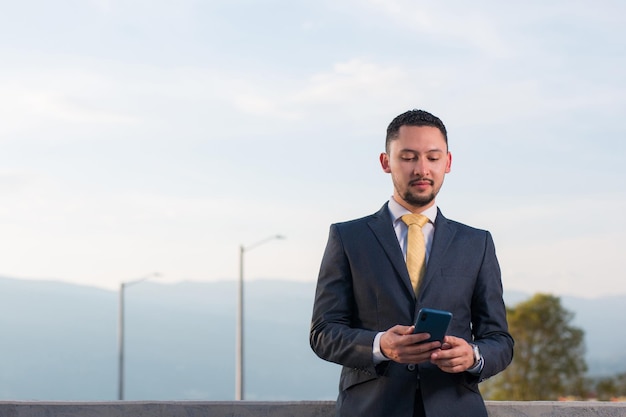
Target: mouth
<point>421,183</point>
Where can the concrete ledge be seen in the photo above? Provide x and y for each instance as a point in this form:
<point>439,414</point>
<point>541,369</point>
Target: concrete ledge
<point>280,409</point>
<point>555,409</point>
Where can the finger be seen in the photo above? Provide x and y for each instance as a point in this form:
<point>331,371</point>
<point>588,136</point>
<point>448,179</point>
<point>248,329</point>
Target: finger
<point>409,330</point>
<point>453,341</point>
<point>401,330</point>
<point>450,366</point>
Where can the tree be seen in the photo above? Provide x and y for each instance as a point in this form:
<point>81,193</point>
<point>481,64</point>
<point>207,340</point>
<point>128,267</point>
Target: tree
<point>606,389</point>
<point>548,363</point>
<point>609,388</point>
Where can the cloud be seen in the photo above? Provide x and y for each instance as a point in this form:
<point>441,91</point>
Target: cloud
<point>560,245</point>
<point>141,135</point>
<point>42,105</point>
<point>350,79</point>
<point>464,25</point>
<point>37,100</point>
<point>582,266</point>
<point>355,89</point>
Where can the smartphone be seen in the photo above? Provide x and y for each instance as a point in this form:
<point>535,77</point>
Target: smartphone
<point>434,322</point>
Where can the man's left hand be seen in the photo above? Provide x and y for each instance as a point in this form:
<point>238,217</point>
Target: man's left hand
<point>456,355</point>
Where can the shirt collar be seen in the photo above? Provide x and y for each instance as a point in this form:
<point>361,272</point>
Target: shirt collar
<point>398,211</point>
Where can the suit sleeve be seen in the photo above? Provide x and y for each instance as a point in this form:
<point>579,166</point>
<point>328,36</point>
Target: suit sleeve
<point>489,324</point>
<point>332,336</point>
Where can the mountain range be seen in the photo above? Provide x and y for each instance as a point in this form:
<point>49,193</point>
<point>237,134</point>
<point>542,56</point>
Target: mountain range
<point>60,341</point>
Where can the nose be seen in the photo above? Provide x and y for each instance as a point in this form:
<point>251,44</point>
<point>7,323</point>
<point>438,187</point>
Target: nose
<point>420,168</point>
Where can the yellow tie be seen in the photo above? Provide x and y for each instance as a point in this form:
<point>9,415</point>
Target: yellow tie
<point>416,248</point>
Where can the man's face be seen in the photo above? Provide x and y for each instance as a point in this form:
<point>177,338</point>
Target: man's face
<point>418,161</point>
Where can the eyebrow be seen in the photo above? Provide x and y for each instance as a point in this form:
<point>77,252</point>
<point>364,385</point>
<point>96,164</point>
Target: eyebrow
<point>428,151</point>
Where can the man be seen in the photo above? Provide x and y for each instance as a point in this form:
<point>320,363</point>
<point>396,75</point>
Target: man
<point>366,304</point>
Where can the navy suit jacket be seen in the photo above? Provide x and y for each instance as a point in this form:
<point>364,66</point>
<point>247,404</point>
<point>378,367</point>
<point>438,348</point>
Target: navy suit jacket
<point>364,288</point>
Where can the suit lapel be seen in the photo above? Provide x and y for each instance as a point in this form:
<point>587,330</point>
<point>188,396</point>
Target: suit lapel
<point>382,226</point>
<point>444,233</point>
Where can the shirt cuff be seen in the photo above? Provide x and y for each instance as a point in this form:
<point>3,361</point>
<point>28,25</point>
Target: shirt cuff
<point>377,354</point>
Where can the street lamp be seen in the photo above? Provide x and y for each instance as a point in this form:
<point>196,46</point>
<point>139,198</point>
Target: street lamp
<point>120,329</point>
<point>239,342</point>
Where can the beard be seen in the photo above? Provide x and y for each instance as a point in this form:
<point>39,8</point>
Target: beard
<point>418,200</point>
<point>414,199</point>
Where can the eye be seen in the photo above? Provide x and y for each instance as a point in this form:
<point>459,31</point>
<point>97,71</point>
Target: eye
<point>408,156</point>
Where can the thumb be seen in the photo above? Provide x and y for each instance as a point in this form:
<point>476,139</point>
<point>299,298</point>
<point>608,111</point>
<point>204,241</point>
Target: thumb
<point>401,330</point>
<point>406,330</point>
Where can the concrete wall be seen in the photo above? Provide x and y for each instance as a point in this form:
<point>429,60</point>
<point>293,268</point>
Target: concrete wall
<point>279,409</point>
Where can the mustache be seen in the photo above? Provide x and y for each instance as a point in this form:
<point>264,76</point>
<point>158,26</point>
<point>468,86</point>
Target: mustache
<point>416,180</point>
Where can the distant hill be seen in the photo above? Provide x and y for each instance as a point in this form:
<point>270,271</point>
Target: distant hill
<point>59,341</point>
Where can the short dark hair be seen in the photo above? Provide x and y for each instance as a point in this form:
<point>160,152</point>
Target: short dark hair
<point>414,118</point>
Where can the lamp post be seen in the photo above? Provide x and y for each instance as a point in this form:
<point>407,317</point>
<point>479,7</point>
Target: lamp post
<point>120,334</point>
<point>239,343</point>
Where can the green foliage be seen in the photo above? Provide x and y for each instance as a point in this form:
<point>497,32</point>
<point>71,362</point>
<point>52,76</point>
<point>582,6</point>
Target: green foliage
<point>609,388</point>
<point>549,354</point>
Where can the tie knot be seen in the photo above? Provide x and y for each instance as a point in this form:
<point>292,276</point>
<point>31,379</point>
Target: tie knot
<point>418,219</point>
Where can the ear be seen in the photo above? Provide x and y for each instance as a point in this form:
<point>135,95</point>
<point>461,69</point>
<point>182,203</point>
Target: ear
<point>384,162</point>
<point>449,163</point>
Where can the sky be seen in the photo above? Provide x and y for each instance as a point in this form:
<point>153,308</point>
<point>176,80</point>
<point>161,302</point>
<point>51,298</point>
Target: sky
<point>159,136</point>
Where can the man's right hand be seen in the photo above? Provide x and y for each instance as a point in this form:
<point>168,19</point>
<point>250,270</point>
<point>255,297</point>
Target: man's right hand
<point>401,345</point>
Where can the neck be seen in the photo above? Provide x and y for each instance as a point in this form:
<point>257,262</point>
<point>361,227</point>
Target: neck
<point>412,208</point>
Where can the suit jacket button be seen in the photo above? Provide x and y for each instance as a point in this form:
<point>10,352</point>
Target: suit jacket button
<point>411,367</point>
